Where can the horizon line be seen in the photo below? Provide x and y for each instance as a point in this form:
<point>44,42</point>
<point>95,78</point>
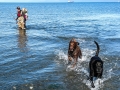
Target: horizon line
<point>56,2</point>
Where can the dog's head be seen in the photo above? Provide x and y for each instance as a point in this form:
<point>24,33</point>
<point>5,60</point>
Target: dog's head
<point>73,44</point>
<point>99,69</point>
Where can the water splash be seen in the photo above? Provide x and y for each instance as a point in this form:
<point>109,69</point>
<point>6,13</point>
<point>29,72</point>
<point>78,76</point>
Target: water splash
<point>82,68</point>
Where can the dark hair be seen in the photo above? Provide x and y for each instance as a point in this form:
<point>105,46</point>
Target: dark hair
<point>18,7</point>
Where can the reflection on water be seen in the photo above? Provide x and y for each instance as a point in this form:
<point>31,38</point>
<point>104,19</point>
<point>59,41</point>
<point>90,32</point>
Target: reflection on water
<point>22,40</point>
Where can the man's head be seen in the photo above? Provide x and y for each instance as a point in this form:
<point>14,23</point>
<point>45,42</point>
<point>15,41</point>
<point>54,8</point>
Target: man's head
<point>18,8</point>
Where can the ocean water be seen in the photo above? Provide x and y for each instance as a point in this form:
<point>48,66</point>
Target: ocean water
<point>36,58</point>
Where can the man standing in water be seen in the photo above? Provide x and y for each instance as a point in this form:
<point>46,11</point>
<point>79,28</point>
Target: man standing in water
<point>18,19</point>
<point>21,18</point>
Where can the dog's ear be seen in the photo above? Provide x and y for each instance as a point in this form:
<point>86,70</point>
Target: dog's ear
<point>77,43</point>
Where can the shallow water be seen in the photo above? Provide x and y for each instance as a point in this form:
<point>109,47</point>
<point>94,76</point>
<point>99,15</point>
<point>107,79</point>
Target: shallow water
<point>36,58</point>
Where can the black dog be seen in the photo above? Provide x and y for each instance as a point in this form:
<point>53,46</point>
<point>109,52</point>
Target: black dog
<point>95,66</point>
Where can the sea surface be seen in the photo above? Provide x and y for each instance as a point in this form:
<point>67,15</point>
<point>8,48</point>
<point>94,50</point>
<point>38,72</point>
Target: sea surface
<point>36,58</point>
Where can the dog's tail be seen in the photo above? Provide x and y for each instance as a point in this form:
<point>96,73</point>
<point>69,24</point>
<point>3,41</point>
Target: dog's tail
<point>98,48</point>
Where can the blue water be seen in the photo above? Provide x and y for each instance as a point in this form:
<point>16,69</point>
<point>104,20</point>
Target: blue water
<point>35,58</point>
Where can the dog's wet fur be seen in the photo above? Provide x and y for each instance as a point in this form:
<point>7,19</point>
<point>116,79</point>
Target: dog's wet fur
<point>74,51</point>
<point>95,66</point>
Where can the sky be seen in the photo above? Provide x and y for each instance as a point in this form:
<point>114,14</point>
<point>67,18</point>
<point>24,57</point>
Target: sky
<point>58,0</point>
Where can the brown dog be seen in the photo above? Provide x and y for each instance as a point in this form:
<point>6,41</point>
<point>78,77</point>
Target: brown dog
<point>74,51</point>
